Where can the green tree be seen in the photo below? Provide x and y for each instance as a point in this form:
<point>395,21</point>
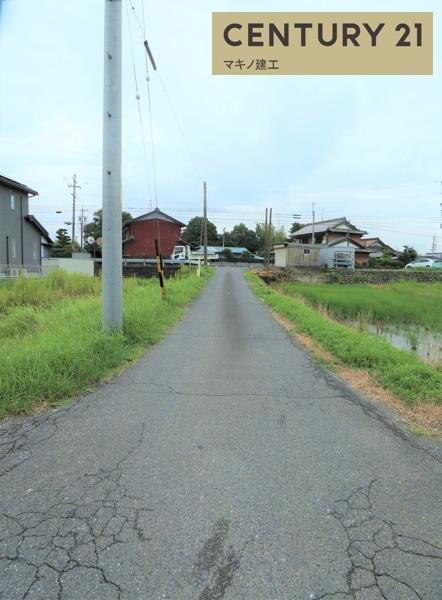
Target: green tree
<point>62,247</point>
<point>95,227</point>
<point>242,236</point>
<point>295,227</point>
<point>408,255</point>
<point>278,236</point>
<point>193,234</point>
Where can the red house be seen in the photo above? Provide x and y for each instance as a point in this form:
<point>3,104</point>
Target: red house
<point>139,235</point>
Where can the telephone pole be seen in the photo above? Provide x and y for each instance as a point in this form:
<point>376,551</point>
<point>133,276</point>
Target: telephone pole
<point>74,187</point>
<point>81,220</point>
<point>270,238</point>
<point>266,235</point>
<point>313,222</point>
<point>205,223</point>
<point>112,138</point>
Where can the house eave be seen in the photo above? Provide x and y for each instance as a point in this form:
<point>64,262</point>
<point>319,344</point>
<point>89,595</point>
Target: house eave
<point>17,186</point>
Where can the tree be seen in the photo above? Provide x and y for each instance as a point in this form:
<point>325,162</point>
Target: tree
<point>95,227</point>
<point>193,234</point>
<point>278,236</point>
<point>242,236</point>
<point>296,227</point>
<point>408,255</point>
<point>227,253</point>
<point>62,247</point>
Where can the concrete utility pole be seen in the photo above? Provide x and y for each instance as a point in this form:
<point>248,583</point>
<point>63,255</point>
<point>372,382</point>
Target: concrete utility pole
<point>266,235</point>
<point>313,223</point>
<point>74,187</point>
<point>112,137</point>
<point>82,219</point>
<point>205,223</point>
<point>270,237</point>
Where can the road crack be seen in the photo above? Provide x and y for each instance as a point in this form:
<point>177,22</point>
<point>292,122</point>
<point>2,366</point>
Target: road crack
<point>372,540</point>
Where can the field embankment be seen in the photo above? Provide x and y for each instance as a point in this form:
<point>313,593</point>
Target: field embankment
<point>52,345</point>
<point>415,385</point>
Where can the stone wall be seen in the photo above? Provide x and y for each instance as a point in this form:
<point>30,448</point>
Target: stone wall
<point>349,277</point>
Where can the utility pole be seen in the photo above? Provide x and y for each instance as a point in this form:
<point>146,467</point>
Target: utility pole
<point>74,187</point>
<point>266,235</point>
<point>112,138</point>
<point>82,219</point>
<point>434,245</point>
<point>205,223</point>
<point>313,223</point>
<point>270,238</point>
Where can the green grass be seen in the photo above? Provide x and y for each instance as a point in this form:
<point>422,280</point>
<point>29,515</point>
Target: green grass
<point>401,303</point>
<point>396,370</point>
<point>47,355</point>
<point>44,292</point>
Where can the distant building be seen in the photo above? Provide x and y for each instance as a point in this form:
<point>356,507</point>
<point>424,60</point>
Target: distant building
<point>23,239</point>
<point>314,256</point>
<point>139,235</point>
<point>218,253</point>
<point>337,233</point>
<point>378,248</point>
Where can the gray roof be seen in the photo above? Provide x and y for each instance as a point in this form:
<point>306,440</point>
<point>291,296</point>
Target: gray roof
<point>36,223</point>
<point>156,214</point>
<point>15,185</point>
<point>341,225</point>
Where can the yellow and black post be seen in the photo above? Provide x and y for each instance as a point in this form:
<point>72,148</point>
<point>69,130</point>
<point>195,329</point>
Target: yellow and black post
<point>160,270</point>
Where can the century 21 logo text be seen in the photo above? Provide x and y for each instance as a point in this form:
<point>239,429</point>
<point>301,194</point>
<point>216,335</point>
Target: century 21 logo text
<point>343,34</point>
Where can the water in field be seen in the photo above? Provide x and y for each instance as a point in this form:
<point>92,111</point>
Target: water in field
<point>426,344</point>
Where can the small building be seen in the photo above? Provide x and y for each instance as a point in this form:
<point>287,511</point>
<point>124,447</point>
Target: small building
<point>139,235</point>
<point>23,239</point>
<point>314,256</point>
<point>378,248</point>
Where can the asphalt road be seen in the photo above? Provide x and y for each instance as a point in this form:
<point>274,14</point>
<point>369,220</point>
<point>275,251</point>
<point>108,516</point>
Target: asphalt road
<point>226,464</point>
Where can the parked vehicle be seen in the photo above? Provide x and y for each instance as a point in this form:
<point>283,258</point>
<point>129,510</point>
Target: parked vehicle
<point>421,263</point>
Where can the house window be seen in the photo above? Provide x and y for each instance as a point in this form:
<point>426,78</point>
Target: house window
<point>13,249</point>
<point>12,202</point>
<point>306,250</point>
<point>34,250</point>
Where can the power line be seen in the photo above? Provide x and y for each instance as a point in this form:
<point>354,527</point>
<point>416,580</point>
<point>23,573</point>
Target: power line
<point>138,97</point>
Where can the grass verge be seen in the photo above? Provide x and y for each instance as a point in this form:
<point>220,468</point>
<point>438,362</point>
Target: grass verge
<point>48,355</point>
<point>414,384</point>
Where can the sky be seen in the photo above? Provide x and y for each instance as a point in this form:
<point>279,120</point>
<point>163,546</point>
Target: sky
<point>368,148</point>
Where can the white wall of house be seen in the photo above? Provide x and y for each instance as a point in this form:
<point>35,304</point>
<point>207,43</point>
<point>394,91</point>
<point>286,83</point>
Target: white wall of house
<point>70,265</point>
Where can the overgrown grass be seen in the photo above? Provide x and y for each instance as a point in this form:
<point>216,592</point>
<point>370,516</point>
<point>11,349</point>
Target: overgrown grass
<point>48,355</point>
<point>398,303</point>
<point>44,292</point>
<point>396,370</point>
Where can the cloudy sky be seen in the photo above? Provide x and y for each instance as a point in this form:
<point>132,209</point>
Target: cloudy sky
<point>369,148</point>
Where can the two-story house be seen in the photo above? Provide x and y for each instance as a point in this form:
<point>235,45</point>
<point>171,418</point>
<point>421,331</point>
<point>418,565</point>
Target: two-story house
<point>338,233</point>
<point>23,239</point>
